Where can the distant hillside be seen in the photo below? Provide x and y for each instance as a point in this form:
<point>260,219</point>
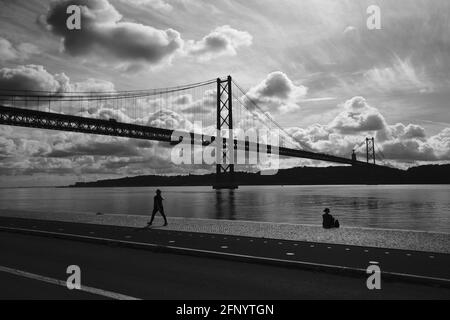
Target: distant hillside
<point>429,174</point>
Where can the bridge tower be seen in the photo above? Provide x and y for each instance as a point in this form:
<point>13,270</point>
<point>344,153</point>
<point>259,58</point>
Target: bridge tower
<point>370,150</point>
<point>225,169</point>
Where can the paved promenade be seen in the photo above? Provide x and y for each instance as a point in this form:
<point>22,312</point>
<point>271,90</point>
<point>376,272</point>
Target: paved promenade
<point>371,237</point>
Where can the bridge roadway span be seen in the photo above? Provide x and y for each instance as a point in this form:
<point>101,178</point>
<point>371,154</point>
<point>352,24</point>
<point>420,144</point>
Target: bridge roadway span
<point>241,267</point>
<point>54,121</point>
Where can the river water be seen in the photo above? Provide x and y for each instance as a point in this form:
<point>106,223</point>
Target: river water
<point>412,207</point>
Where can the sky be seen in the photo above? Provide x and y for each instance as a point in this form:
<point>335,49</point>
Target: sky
<point>313,65</point>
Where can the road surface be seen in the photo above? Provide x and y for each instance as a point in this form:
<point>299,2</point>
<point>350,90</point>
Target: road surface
<point>111,272</point>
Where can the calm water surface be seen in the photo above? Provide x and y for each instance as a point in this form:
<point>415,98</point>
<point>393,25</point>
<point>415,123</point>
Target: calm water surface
<point>414,207</point>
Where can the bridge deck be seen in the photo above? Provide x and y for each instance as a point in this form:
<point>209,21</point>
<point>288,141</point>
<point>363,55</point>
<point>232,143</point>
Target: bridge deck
<point>55,121</point>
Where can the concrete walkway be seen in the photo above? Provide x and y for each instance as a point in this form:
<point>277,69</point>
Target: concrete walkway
<point>381,238</point>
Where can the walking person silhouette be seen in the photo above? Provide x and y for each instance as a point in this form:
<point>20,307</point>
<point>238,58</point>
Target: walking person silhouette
<point>157,206</point>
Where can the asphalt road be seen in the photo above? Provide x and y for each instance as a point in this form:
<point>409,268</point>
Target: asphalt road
<point>148,275</point>
<point>407,263</point>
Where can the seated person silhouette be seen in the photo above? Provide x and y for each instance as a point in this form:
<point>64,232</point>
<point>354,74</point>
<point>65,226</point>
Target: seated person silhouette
<point>328,220</point>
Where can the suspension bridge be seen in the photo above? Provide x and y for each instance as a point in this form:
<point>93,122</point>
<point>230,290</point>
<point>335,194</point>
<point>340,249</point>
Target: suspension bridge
<point>159,114</point>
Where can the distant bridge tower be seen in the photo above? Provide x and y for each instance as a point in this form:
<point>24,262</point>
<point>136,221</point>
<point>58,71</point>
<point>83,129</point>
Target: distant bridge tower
<point>225,170</point>
<point>370,150</point>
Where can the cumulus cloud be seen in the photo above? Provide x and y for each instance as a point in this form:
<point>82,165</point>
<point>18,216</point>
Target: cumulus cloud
<point>358,116</point>
<point>22,51</point>
<point>107,37</point>
<point>277,93</point>
<point>399,143</point>
<point>37,78</point>
<point>31,77</point>
<point>409,150</point>
<point>400,131</point>
<point>222,41</point>
<point>70,154</point>
<point>204,105</point>
<point>441,143</point>
<point>169,119</point>
<point>104,34</point>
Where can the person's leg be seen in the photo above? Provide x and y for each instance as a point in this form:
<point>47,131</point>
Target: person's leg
<point>164,216</point>
<point>153,216</point>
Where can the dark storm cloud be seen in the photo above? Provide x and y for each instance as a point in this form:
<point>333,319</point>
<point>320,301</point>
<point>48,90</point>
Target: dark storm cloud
<point>103,33</point>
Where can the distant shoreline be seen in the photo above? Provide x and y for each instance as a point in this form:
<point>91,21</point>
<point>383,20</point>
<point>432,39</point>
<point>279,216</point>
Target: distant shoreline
<point>243,185</point>
<point>335,175</point>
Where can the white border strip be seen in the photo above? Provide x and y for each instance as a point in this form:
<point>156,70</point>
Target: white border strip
<point>226,254</point>
<point>99,292</point>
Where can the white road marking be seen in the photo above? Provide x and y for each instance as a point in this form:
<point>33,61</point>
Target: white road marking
<point>431,257</point>
<point>366,250</point>
<point>171,241</point>
<point>311,246</point>
<point>347,249</point>
<point>224,247</point>
<point>127,237</point>
<point>96,291</point>
<point>290,253</point>
<point>387,252</point>
<point>328,247</point>
<point>408,254</point>
<point>373,262</point>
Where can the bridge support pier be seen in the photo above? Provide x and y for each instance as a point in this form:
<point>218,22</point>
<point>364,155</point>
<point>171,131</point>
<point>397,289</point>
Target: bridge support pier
<point>225,154</point>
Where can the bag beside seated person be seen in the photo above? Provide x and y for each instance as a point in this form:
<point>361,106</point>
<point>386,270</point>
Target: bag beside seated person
<point>328,221</point>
